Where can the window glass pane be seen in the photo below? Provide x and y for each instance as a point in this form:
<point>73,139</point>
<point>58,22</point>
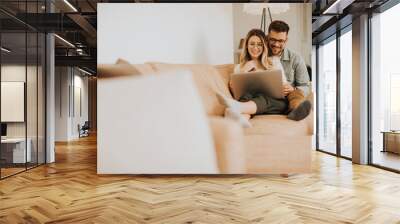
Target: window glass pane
<point>327,97</point>
<point>385,86</point>
<point>31,101</point>
<point>346,94</point>
<point>14,153</point>
<point>23,88</point>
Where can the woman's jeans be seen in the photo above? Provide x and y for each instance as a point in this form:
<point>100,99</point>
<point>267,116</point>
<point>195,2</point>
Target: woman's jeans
<point>266,104</point>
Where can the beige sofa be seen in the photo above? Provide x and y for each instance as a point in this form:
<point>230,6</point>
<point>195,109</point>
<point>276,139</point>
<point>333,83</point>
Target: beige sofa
<point>273,145</point>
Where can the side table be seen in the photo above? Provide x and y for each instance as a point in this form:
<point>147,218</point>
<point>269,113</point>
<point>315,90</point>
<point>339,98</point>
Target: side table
<point>391,141</point>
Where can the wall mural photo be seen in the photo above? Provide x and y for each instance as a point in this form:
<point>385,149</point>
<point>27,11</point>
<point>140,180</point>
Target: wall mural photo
<point>204,88</point>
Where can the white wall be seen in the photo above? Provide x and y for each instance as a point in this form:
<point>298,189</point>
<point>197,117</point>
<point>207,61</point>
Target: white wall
<point>298,17</point>
<point>33,127</point>
<point>12,101</point>
<point>66,121</point>
<point>61,103</point>
<point>15,73</point>
<point>80,83</point>
<point>190,33</point>
<point>18,73</point>
<point>174,33</point>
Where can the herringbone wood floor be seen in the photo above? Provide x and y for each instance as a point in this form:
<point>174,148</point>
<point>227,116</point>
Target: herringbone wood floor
<point>69,191</point>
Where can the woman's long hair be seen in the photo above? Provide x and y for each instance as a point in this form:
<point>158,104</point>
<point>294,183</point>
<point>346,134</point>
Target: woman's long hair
<point>245,56</point>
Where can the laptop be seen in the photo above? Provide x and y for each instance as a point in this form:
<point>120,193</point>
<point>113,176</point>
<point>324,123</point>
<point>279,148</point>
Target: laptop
<point>265,82</point>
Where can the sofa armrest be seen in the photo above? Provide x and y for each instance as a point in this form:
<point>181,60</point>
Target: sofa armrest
<point>150,136</point>
<point>229,145</point>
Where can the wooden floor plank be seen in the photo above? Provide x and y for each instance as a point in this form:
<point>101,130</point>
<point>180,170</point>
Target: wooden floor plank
<point>70,191</point>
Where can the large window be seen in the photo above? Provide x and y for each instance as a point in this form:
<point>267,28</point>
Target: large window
<point>385,89</point>
<point>335,73</point>
<point>327,96</point>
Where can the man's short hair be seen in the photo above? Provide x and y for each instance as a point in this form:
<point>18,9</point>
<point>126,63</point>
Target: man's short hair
<point>278,26</point>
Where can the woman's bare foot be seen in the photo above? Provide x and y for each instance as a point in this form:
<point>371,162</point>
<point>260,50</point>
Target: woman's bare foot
<point>233,111</point>
<point>237,117</point>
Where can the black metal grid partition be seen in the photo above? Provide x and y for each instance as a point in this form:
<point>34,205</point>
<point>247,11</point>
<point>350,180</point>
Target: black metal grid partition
<point>23,88</point>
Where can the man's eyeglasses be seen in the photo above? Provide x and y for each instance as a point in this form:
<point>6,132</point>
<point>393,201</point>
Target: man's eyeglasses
<point>273,40</point>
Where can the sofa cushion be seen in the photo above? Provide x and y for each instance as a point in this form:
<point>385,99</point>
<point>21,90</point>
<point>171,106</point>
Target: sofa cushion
<point>277,125</point>
<point>208,82</point>
<point>271,154</point>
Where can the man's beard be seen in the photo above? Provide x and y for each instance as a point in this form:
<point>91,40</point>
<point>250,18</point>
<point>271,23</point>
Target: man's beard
<point>270,51</point>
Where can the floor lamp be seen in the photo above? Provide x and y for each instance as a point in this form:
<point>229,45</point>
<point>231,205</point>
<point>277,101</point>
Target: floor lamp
<point>263,18</point>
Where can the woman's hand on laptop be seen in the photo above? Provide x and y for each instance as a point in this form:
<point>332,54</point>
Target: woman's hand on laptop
<point>287,88</point>
<point>250,66</point>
